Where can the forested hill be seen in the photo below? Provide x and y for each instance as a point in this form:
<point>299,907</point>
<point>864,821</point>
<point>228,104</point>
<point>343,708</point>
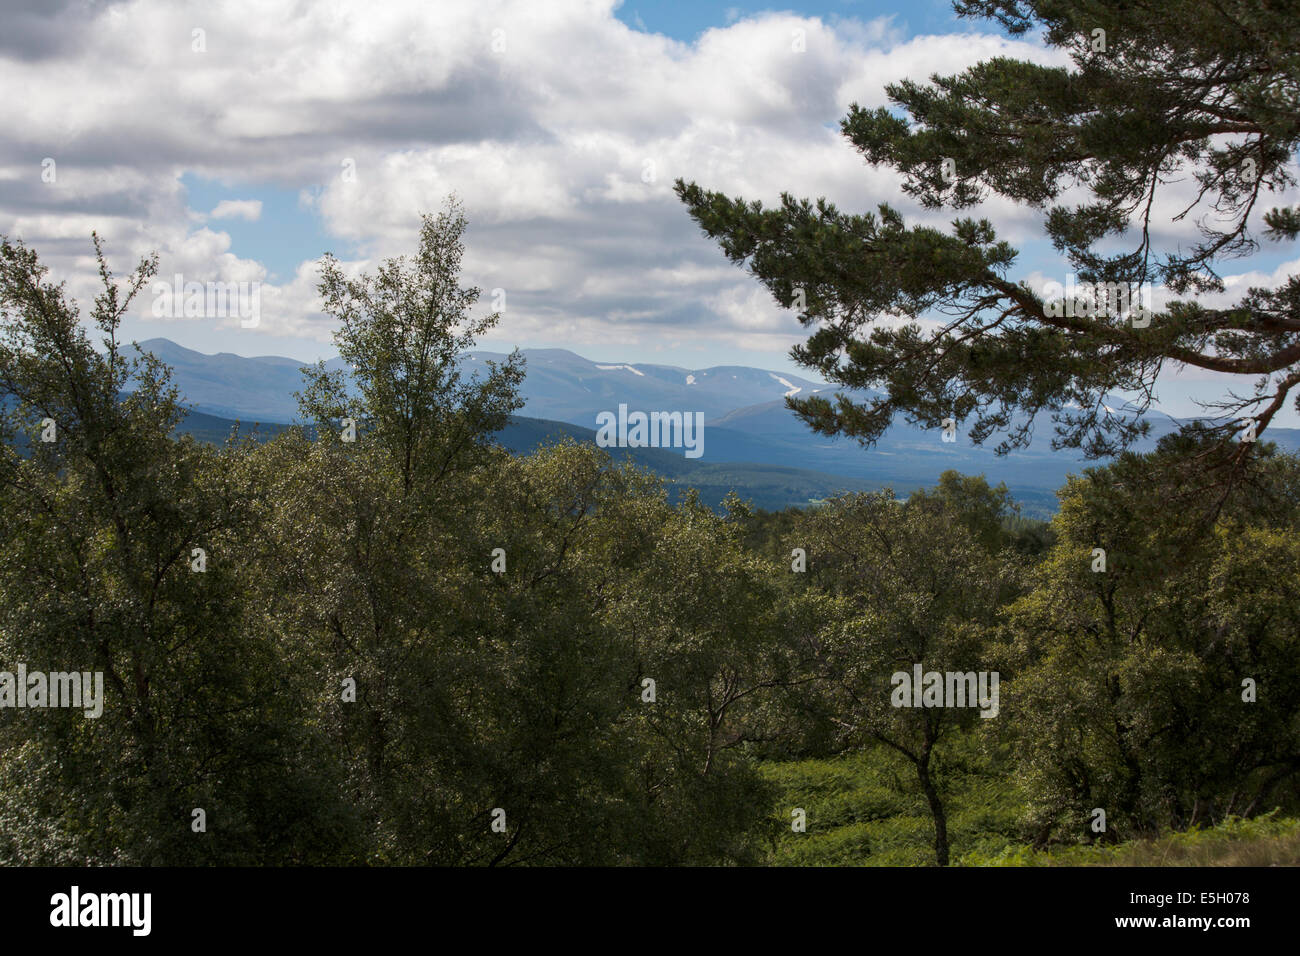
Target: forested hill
<point>768,486</point>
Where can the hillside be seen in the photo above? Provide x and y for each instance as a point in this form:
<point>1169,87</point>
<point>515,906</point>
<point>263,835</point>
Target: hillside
<point>767,486</point>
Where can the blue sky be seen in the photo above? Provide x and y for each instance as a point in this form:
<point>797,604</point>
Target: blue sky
<point>286,234</point>
<point>685,21</point>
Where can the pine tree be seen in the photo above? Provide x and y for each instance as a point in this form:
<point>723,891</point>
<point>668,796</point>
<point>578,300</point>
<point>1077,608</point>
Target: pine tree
<point>1156,93</point>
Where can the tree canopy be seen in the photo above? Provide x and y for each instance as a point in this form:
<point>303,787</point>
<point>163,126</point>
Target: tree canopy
<point>389,641</point>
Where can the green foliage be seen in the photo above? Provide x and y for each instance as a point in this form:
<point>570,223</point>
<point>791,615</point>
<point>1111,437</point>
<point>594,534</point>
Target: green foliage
<point>984,511</point>
<point>1124,674</point>
<point>516,688</point>
<point>400,333</point>
<point>95,575</point>
<point>1266,840</point>
<point>892,585</point>
<point>863,808</point>
<point>630,674</point>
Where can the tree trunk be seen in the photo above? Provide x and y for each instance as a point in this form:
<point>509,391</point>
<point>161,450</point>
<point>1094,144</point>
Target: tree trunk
<point>936,811</point>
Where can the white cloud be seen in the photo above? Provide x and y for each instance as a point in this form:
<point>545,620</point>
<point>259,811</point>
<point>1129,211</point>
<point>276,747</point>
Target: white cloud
<point>563,142</point>
<point>250,210</point>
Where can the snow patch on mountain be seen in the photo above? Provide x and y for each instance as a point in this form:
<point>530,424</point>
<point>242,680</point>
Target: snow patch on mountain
<point>794,389</point>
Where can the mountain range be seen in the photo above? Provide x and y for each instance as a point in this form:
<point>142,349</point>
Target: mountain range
<point>752,441</point>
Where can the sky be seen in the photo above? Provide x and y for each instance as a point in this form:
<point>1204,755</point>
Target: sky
<point>240,141</point>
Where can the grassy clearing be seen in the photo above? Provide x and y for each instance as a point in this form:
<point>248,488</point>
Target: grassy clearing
<point>1269,840</point>
<point>866,810</point>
